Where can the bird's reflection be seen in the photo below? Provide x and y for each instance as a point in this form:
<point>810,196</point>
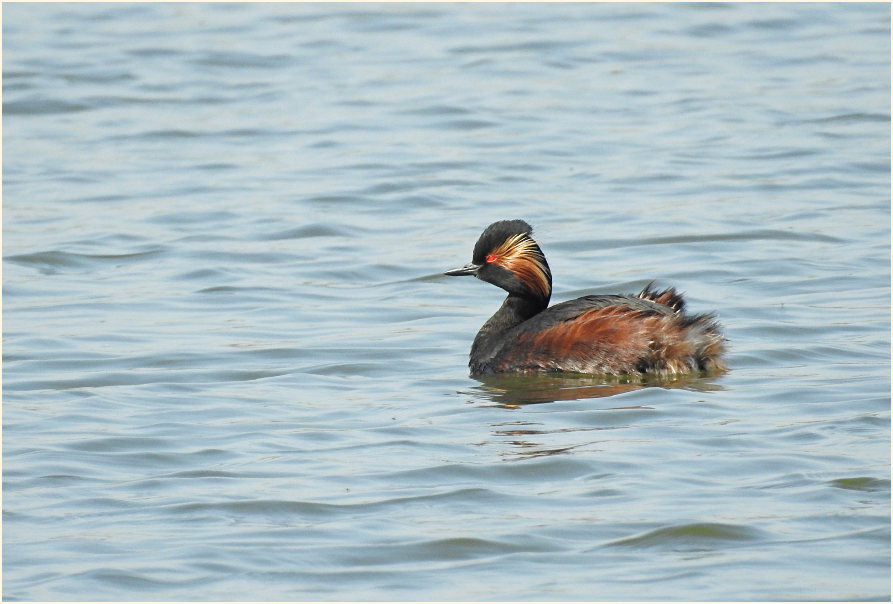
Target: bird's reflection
<point>528,437</point>
<point>511,391</point>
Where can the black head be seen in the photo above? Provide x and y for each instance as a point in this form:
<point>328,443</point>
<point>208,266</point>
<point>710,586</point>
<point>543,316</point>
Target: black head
<point>507,256</point>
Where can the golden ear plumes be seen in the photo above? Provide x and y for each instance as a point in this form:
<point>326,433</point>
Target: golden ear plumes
<point>522,256</point>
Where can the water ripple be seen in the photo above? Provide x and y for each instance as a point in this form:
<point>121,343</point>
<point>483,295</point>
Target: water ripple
<point>691,537</point>
<point>49,262</point>
<point>233,366</point>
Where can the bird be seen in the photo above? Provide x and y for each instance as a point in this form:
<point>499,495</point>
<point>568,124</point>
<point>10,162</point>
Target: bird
<point>609,334</point>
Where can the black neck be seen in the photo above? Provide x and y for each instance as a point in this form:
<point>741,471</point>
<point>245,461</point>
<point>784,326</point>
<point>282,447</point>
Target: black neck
<point>514,311</point>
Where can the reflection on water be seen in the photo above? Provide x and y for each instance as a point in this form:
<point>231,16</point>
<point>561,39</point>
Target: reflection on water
<point>526,443</point>
<point>514,390</point>
<point>560,434</point>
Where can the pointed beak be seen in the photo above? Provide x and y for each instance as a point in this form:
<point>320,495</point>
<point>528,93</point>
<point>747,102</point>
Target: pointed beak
<point>469,269</point>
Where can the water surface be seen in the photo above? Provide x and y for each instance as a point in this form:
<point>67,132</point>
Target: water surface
<point>233,369</point>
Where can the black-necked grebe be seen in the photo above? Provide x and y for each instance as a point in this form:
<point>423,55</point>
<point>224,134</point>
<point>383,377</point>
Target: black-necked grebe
<point>648,333</point>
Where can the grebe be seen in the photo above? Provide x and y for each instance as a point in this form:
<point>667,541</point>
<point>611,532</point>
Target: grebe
<point>619,334</point>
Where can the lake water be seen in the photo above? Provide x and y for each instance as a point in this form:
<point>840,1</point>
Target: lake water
<point>233,370</point>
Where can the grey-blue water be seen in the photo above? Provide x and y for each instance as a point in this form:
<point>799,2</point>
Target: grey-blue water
<point>233,369</point>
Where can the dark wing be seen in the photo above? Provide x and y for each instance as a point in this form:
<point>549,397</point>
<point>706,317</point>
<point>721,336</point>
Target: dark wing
<point>566,311</point>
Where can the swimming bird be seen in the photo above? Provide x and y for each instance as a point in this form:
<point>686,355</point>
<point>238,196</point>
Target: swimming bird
<point>615,334</point>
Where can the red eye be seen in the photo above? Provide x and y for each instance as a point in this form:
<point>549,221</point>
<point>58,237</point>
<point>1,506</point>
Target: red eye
<point>491,258</point>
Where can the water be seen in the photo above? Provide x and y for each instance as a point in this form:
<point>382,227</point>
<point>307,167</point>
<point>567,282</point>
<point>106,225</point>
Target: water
<point>233,370</point>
